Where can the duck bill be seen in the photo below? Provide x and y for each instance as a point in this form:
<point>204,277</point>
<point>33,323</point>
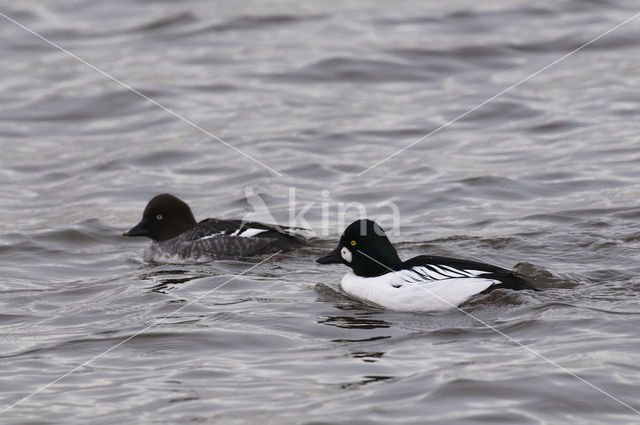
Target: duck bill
<point>139,229</point>
<point>332,257</point>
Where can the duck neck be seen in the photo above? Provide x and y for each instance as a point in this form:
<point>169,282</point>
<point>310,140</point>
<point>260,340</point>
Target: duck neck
<point>378,265</point>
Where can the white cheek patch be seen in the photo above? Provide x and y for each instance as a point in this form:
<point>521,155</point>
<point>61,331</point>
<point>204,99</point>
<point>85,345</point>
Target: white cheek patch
<point>346,254</point>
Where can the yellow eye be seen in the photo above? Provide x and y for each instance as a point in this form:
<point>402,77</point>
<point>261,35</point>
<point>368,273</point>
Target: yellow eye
<point>353,243</point>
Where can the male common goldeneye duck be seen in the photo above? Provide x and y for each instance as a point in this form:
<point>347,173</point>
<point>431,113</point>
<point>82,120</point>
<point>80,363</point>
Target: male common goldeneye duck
<point>423,283</point>
<point>170,223</point>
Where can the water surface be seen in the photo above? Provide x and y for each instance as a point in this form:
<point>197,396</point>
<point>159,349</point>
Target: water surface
<point>543,179</point>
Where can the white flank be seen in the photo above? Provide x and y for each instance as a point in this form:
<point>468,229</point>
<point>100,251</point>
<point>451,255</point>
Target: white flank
<point>409,290</point>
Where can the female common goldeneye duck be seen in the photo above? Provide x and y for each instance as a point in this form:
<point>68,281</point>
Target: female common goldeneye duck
<point>423,283</point>
<point>169,222</point>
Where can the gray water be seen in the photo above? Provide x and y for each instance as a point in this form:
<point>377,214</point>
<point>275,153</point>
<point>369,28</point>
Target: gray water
<point>543,179</point>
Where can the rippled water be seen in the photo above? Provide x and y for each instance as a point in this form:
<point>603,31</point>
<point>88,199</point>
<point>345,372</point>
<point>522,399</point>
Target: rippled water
<point>544,178</point>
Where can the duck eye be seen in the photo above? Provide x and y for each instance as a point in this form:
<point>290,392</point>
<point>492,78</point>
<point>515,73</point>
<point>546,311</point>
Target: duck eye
<point>159,217</point>
<point>353,243</point>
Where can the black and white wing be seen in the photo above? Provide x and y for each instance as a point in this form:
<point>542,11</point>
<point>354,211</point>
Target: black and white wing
<point>250,229</point>
<point>430,268</point>
<point>219,239</point>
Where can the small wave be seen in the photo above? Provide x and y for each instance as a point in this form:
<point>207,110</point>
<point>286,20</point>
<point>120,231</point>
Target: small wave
<point>162,22</point>
<point>458,59</point>
<point>259,22</point>
<point>342,69</point>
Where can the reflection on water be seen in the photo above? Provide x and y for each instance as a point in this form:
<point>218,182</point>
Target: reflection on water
<point>164,280</point>
<point>360,321</point>
<point>369,357</point>
<point>366,380</point>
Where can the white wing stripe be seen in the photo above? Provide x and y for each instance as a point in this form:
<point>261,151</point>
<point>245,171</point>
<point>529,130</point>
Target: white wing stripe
<point>251,232</point>
<point>433,272</point>
<point>448,271</point>
<point>458,272</point>
<point>476,272</point>
<point>422,273</point>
